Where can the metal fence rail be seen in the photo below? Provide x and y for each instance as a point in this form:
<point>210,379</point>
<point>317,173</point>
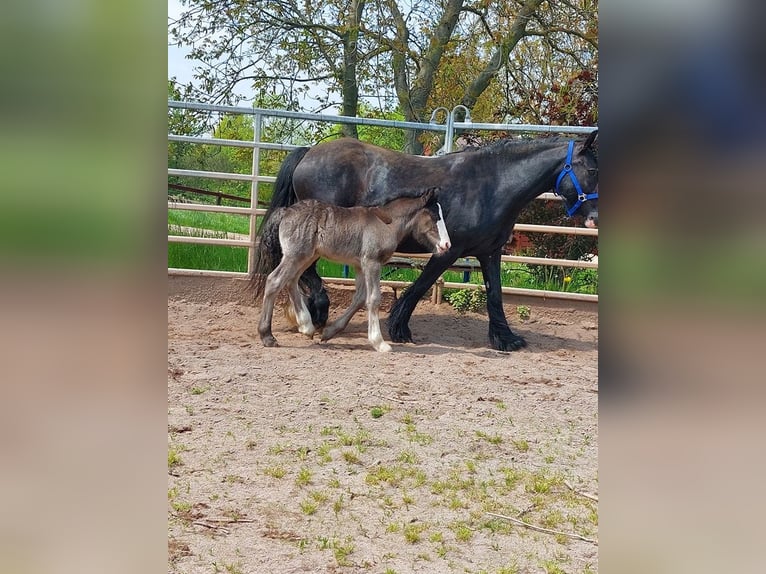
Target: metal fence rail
<point>253,211</point>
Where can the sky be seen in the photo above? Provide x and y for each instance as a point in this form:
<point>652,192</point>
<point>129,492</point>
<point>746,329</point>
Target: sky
<point>178,65</point>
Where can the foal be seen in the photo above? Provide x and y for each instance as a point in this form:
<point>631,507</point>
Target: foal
<point>365,237</point>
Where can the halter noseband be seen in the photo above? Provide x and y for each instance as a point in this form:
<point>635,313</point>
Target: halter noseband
<point>567,170</point>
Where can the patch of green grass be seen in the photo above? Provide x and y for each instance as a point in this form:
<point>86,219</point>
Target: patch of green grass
<point>180,506</point>
<point>351,457</point>
<point>393,475</point>
<point>552,567</point>
<point>377,412</point>
<point>308,506</point>
<point>492,439</point>
<point>541,482</point>
<point>195,390</point>
<point>209,220</point>
<point>276,471</point>
<point>174,455</point>
<point>342,550</point>
<point>304,476</point>
<point>521,445</point>
<point>462,531</point>
<point>323,453</point>
<point>407,457</point>
<point>337,506</point>
<point>412,532</point>
<point>212,257</point>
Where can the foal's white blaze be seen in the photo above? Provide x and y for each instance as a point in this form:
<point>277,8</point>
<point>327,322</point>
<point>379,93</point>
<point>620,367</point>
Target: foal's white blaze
<point>444,242</point>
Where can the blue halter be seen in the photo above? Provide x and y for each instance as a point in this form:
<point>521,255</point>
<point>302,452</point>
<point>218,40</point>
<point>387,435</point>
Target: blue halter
<point>567,170</point>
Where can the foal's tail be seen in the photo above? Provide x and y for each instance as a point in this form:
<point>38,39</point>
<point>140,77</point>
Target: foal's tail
<point>268,252</point>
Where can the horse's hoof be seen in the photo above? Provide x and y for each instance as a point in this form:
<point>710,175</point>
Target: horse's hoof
<point>383,348</point>
<point>400,335</point>
<point>269,342</point>
<point>508,344</point>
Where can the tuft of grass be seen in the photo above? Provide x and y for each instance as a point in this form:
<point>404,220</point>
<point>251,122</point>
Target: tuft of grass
<point>541,482</point>
<point>378,411</point>
<point>521,445</point>
<point>308,506</point>
<point>275,471</point>
<point>551,567</point>
<point>195,390</point>
<point>174,455</point>
<point>492,439</point>
<point>342,550</point>
<point>407,457</point>
<point>412,532</point>
<point>304,476</point>
<point>462,532</point>
<point>351,457</point>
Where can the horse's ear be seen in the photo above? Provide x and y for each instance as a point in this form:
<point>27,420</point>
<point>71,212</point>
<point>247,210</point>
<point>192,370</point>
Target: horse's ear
<point>429,196</point>
<point>382,215</point>
<point>589,141</point>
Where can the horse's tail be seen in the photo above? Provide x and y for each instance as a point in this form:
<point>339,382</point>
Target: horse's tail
<point>268,252</point>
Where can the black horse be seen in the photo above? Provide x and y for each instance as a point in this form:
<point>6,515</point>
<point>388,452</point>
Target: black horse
<point>482,192</point>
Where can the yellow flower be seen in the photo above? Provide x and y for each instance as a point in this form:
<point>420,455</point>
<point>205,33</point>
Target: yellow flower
<point>567,279</point>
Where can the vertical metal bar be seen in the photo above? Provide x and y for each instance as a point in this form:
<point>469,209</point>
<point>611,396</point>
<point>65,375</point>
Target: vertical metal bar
<point>257,126</point>
<point>450,128</point>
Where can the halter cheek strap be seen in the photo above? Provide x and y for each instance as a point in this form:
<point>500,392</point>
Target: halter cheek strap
<point>567,170</point>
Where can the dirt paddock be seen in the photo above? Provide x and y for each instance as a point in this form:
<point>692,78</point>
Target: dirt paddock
<point>441,456</point>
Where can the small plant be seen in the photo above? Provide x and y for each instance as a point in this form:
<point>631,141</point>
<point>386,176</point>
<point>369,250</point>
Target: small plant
<point>304,477</point>
<point>174,456</point>
<point>309,506</point>
<point>492,439</point>
<point>523,311</point>
<point>275,471</point>
<point>377,412</point>
<point>341,552</point>
<point>462,532</point>
<point>350,457</point>
<point>199,390</point>
<point>412,533</point>
<point>337,506</point>
<point>465,300</point>
<point>521,445</point>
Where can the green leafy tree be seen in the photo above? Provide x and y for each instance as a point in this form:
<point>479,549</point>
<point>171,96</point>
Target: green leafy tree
<point>403,52</point>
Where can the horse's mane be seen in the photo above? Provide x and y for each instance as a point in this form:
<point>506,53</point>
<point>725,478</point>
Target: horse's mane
<point>517,144</point>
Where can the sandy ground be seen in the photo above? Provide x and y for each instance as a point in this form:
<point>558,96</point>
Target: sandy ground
<point>334,458</point>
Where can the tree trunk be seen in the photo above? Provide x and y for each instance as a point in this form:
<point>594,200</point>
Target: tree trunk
<point>350,86</point>
<point>414,98</point>
<point>499,57</point>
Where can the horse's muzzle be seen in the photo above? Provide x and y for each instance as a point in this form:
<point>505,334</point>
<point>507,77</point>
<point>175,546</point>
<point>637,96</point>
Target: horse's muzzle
<point>592,220</point>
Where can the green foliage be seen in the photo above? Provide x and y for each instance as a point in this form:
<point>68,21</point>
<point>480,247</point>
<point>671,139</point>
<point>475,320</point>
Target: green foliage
<point>465,300</point>
<point>556,245</point>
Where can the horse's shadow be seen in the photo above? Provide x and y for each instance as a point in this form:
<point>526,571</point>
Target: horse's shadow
<point>444,334</point>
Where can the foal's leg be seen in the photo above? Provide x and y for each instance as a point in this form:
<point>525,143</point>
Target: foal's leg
<point>274,284</point>
<point>372,279</point>
<point>500,335</point>
<point>356,303</point>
